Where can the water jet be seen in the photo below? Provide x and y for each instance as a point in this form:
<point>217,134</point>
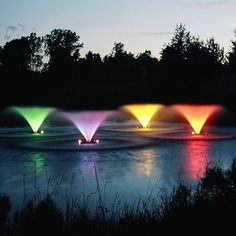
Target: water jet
<point>87,123</point>
<point>143,112</point>
<point>197,115</point>
<point>34,116</point>
<point>93,141</point>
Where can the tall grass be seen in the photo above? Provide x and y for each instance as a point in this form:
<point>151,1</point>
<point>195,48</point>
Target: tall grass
<point>206,208</point>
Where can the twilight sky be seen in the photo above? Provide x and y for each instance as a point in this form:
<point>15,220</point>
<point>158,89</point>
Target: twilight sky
<point>139,24</point>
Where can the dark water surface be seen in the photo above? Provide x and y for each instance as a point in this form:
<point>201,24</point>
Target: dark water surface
<point>138,166</point>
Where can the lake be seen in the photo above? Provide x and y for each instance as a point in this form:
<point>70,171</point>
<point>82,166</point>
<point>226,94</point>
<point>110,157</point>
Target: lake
<point>127,164</point>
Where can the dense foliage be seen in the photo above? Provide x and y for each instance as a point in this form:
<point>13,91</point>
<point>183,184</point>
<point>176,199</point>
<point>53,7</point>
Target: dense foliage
<point>49,70</point>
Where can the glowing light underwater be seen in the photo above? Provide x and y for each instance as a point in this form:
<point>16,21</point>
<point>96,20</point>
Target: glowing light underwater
<point>35,116</point>
<point>87,122</point>
<point>197,115</point>
<point>143,113</point>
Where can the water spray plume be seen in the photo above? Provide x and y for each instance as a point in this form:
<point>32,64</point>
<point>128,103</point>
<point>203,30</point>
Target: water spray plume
<point>88,122</point>
<point>143,113</point>
<point>197,115</point>
<point>35,116</point>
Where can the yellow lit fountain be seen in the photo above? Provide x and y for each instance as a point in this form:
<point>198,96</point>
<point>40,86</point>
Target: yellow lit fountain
<point>143,112</point>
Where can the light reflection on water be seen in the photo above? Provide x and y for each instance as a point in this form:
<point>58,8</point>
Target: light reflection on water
<point>39,161</point>
<point>126,171</point>
<point>146,162</point>
<point>196,158</point>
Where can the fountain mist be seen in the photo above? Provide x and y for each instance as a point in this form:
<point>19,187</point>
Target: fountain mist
<point>88,122</point>
<point>143,112</point>
<point>35,116</point>
<point>197,115</point>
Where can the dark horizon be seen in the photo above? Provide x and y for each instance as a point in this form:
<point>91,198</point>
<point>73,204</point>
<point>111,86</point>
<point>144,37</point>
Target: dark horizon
<point>189,71</point>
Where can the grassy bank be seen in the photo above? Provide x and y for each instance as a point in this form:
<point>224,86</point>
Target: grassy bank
<point>205,209</point>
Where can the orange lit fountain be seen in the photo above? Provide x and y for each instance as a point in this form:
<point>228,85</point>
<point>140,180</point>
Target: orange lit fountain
<point>197,115</point>
<point>143,112</point>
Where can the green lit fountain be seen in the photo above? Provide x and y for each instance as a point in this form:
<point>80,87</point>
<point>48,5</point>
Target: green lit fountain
<point>35,116</point>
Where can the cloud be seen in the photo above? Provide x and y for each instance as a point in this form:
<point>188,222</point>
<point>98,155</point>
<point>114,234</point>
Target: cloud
<point>21,27</point>
<point>13,31</point>
<point>11,28</point>
<point>154,33</point>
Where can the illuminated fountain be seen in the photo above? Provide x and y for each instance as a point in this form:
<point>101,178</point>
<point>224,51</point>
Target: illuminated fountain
<point>197,115</point>
<point>35,116</point>
<point>143,112</point>
<point>88,122</point>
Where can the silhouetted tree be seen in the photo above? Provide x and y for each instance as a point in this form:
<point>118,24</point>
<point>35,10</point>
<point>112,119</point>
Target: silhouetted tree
<point>189,66</point>
<point>146,57</point>
<point>175,51</point>
<point>147,65</point>
<point>16,55</point>
<point>91,67</point>
<point>118,49</point>
<point>195,53</point>
<point>119,55</point>
<point>62,47</point>
<point>36,56</point>
<point>120,64</point>
<point>23,54</point>
<point>187,48</point>
<point>189,70</point>
<point>93,57</point>
<point>204,59</point>
<point>1,52</point>
<point>214,52</point>
<point>173,64</point>
<point>232,56</point>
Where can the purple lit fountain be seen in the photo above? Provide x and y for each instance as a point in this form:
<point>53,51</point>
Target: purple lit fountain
<point>88,122</point>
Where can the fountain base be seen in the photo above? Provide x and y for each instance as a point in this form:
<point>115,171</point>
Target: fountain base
<point>68,143</point>
<point>198,135</point>
<point>84,142</point>
<point>27,133</point>
<point>39,132</point>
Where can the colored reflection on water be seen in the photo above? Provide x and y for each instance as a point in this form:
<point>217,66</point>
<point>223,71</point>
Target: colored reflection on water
<point>146,162</point>
<point>89,160</point>
<point>196,158</point>
<point>39,161</point>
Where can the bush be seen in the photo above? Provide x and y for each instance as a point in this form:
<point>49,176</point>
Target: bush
<point>204,209</point>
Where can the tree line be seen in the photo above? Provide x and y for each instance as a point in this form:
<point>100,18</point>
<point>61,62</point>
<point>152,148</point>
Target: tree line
<point>49,70</point>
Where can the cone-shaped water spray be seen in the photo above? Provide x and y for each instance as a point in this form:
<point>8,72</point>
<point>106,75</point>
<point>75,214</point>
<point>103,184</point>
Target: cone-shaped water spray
<point>197,115</point>
<point>88,122</point>
<point>35,116</point>
<point>143,112</point>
